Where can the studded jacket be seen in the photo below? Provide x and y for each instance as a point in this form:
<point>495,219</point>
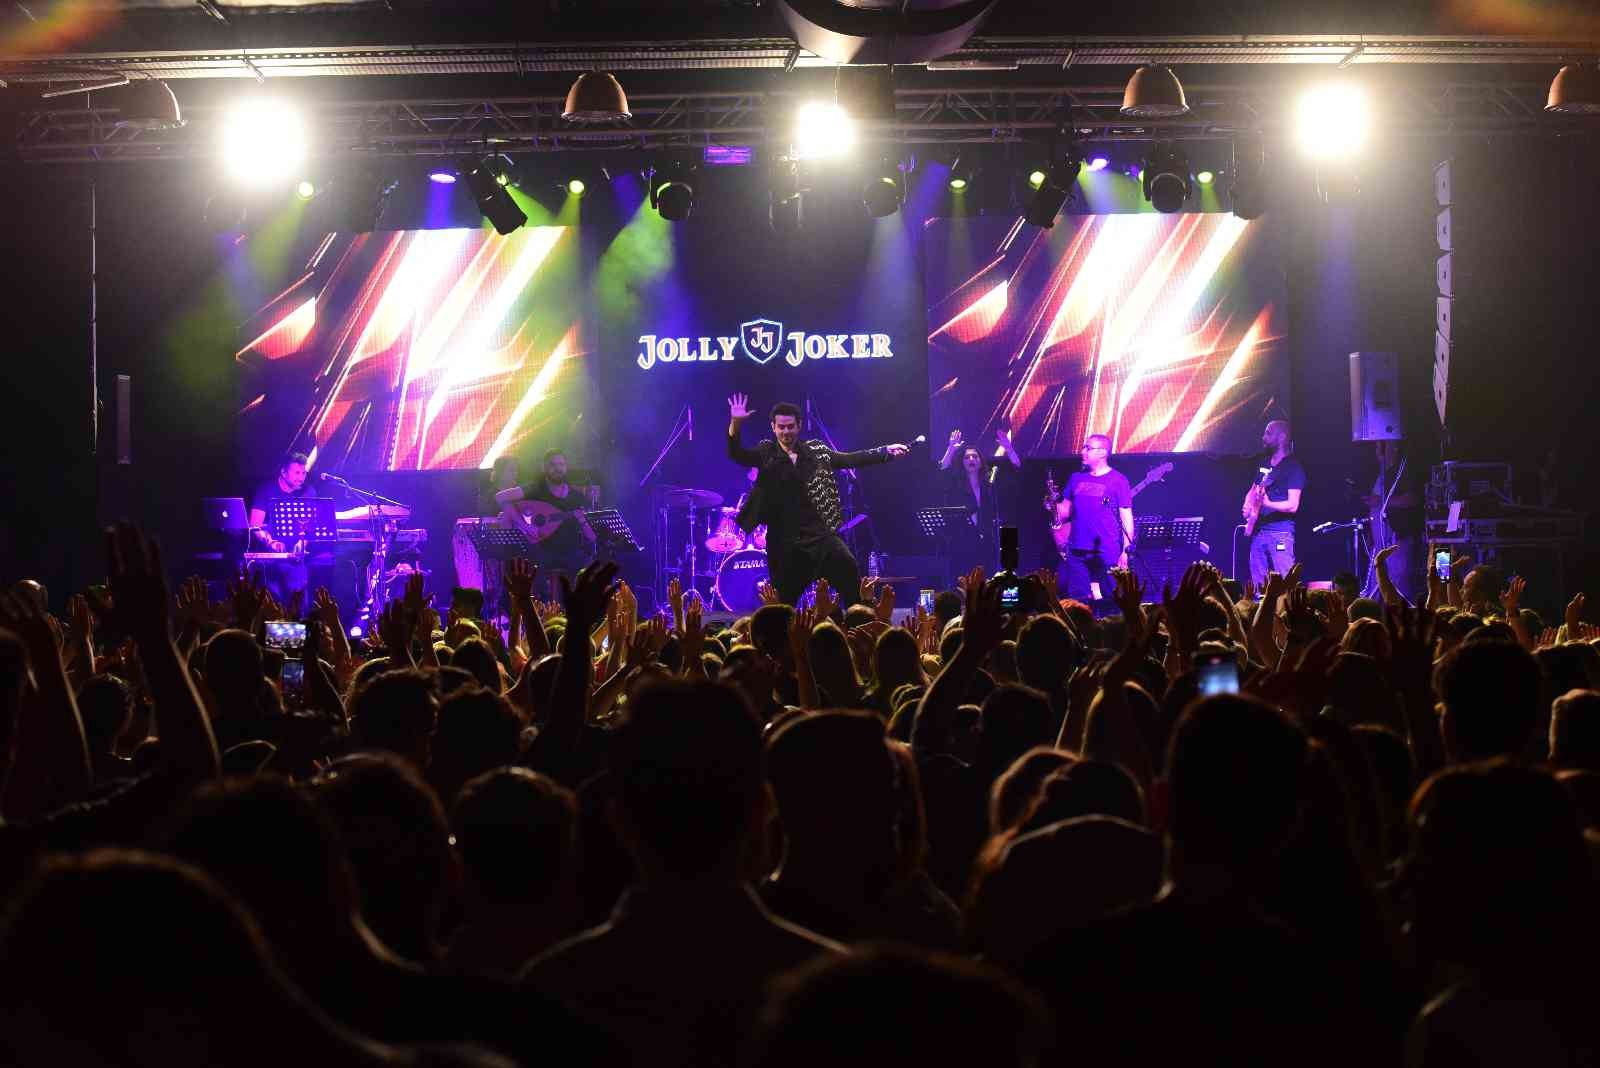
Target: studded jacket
<point>822,489</point>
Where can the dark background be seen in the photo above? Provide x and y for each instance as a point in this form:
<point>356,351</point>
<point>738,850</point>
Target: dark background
<point>1359,277</point>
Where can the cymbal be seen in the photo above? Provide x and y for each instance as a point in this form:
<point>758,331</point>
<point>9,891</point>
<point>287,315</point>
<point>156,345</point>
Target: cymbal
<point>683,497</point>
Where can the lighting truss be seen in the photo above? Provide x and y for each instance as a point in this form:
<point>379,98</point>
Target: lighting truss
<point>440,126</point>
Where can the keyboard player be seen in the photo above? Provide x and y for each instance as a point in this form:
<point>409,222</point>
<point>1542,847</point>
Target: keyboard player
<point>285,576</point>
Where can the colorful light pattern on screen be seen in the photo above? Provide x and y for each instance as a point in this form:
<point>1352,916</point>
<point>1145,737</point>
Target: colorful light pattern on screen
<point>418,350</point>
<point>1140,326</point>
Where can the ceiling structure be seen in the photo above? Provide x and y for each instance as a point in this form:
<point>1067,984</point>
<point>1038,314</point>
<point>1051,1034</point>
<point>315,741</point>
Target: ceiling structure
<point>401,77</point>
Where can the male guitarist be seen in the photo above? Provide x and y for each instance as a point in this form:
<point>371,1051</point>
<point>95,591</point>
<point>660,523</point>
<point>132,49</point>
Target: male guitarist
<point>549,512</point>
<point>1271,504</point>
<point>1093,523</point>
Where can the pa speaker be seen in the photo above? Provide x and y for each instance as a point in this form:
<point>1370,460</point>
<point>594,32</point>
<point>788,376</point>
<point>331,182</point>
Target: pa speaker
<point>1374,396</point>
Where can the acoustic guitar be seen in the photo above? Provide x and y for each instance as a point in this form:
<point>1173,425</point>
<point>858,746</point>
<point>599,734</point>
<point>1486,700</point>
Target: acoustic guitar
<point>1060,529</point>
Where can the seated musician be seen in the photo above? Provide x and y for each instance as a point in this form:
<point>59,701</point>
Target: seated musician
<point>549,512</point>
<point>282,577</point>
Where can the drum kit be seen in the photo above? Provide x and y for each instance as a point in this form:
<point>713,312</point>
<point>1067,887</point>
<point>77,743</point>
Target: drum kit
<point>733,563</point>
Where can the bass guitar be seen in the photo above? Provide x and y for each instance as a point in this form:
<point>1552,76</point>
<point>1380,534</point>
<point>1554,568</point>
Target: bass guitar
<point>1061,529</point>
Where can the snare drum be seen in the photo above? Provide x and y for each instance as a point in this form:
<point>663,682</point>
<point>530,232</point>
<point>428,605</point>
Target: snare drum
<point>725,536</point>
<point>738,578</point>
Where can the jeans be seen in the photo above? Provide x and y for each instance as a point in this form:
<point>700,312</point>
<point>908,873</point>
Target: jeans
<point>1080,567</point>
<point>1271,549</point>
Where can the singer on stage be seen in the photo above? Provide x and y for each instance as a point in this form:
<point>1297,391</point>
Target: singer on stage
<point>797,495</point>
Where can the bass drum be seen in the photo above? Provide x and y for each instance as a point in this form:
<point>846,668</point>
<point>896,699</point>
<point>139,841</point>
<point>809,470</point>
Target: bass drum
<point>738,578</point>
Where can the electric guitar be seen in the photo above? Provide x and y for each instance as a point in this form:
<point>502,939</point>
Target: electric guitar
<point>1252,502</point>
<point>1061,530</point>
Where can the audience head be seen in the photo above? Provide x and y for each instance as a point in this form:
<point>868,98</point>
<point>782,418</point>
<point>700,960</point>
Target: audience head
<point>1235,771</point>
<point>105,703</point>
<point>1046,654</point>
<point>474,655</point>
<point>1086,788</point>
<point>478,730</point>
<point>690,783</point>
<point>833,666</point>
<point>396,713</point>
<point>516,831</point>
<point>769,632</point>
<point>1014,719</point>
<point>946,606</point>
<point>896,661</point>
<point>1490,692</point>
<point>1575,731</point>
<point>1012,795</point>
<point>398,840</point>
<point>833,779</point>
<point>886,1004</point>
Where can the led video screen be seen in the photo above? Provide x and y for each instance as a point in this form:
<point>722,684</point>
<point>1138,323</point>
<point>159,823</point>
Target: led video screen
<point>418,350</point>
<point>1166,332</point>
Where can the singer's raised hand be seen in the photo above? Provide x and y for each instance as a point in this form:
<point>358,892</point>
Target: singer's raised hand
<point>739,406</point>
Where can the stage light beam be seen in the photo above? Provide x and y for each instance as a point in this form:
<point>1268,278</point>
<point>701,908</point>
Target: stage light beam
<point>305,189</point>
<point>576,187</point>
<point>263,142</point>
<point>1333,121</point>
<point>823,131</point>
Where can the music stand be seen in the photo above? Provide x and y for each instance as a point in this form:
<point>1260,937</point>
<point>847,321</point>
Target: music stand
<point>612,530</point>
<point>941,524</point>
<point>1165,537</point>
<point>302,518</point>
<point>498,543</point>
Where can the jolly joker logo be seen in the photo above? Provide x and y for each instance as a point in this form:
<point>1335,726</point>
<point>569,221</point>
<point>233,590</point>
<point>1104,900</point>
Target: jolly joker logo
<point>763,340</point>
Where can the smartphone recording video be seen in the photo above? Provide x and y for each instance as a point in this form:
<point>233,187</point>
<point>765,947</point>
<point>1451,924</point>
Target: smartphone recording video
<point>1441,561</point>
<point>293,683</point>
<point>290,637</point>
<point>1217,673</point>
<point>925,600</point>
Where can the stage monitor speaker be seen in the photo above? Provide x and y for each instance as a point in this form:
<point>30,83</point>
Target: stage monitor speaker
<point>1374,396</point>
<point>124,419</point>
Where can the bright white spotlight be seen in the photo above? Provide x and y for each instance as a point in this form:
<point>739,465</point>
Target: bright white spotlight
<point>823,130</point>
<point>1333,121</point>
<point>263,142</point>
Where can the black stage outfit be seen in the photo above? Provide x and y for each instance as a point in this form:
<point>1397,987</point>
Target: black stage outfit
<point>566,550</point>
<point>973,543</point>
<point>283,577</point>
<point>799,502</point>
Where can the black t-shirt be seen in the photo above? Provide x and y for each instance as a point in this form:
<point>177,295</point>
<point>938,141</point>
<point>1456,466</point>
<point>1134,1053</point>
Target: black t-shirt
<point>792,513</point>
<point>269,491</point>
<point>1097,503</point>
<point>567,539</point>
<point>1287,475</point>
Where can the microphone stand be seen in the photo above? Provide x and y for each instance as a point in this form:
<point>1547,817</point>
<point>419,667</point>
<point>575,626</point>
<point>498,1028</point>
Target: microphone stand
<point>680,426</point>
<point>381,538</point>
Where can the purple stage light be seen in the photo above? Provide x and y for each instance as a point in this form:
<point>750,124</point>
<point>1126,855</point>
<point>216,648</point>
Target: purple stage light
<point>727,155</point>
<point>1099,163</point>
<point>442,177</point>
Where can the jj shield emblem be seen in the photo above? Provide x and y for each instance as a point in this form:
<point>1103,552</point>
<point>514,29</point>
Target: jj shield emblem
<point>761,339</point>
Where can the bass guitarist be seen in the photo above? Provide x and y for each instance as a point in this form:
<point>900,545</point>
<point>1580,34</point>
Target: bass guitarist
<point>549,512</point>
<point>1092,523</point>
<point>1271,504</point>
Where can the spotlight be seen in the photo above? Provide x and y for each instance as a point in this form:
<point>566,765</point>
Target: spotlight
<point>884,191</point>
<point>672,193</point>
<point>1154,92</point>
<point>1205,177</point>
<point>1332,121</point>
<point>1099,163</point>
<point>442,176</point>
<point>263,142</point>
<point>1166,177</point>
<point>1053,191</point>
<point>822,131</point>
<point>786,211</point>
<point>1575,90</point>
<point>1248,186</point>
<point>596,97</point>
<point>148,105</point>
<point>962,175</point>
<point>305,189</point>
<point>491,196</point>
<point>576,188</point>
<point>1035,179</point>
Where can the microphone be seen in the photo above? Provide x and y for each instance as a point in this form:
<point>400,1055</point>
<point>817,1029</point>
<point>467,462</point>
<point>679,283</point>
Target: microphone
<point>691,421</point>
<point>1320,527</point>
<point>335,479</point>
<point>920,439</point>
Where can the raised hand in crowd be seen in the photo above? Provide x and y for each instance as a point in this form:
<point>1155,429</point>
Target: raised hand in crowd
<point>800,628</point>
<point>1129,597</point>
<point>675,599</point>
<point>326,611</point>
<point>395,631</point>
<point>692,640</point>
<point>1409,670</point>
<point>321,694</point>
<point>1110,731</point>
<point>51,766</point>
<point>1573,617</point>
<point>767,592</point>
<point>1458,578</point>
<point>826,601</point>
<point>78,653</point>
<point>1386,587</point>
<point>1511,604</point>
<point>248,594</point>
<point>519,576</point>
<point>1183,617</point>
<point>584,600</point>
<point>141,605</point>
<point>982,628</point>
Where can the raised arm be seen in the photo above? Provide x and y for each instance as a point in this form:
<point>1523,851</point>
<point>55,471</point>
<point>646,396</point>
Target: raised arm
<point>738,412</point>
<point>980,633</point>
<point>951,451</point>
<point>1003,437</point>
<point>867,457</point>
<point>51,767</point>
